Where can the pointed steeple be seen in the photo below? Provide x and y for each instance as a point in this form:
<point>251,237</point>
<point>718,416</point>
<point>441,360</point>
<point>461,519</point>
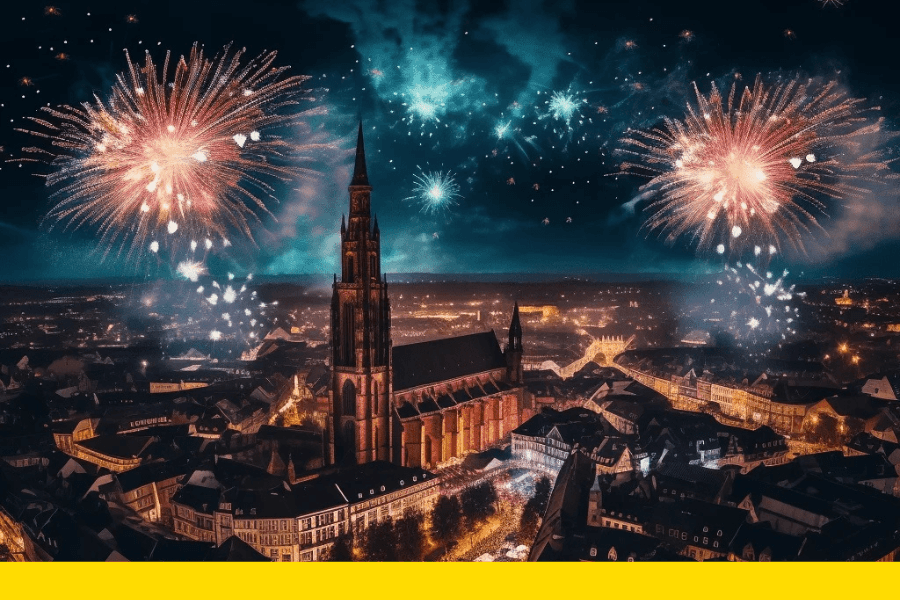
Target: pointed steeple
<point>343,226</point>
<point>375,227</point>
<point>360,177</point>
<point>515,331</point>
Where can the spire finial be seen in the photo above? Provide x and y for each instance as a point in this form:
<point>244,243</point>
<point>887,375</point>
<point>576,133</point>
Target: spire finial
<point>360,177</point>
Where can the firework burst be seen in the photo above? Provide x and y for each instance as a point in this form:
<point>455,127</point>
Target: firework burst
<point>435,191</point>
<point>191,269</point>
<point>562,106</point>
<point>426,103</point>
<point>191,154</point>
<point>758,304</point>
<point>757,167</point>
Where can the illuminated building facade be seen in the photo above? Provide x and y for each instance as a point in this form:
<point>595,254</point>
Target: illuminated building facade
<point>301,522</point>
<point>752,404</point>
<point>844,300</point>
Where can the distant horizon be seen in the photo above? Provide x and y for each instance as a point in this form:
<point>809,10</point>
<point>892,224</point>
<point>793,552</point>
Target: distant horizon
<point>456,277</point>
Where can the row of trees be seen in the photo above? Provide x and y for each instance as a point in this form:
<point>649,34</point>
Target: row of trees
<point>390,540</point>
<point>534,509</point>
<point>404,539</point>
<point>474,506</point>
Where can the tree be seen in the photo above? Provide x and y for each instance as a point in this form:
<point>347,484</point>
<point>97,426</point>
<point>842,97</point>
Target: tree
<point>342,551</point>
<point>479,502</point>
<point>542,489</point>
<point>529,523</point>
<point>825,430</point>
<point>534,509</point>
<point>380,542</point>
<point>446,519</point>
<point>410,537</point>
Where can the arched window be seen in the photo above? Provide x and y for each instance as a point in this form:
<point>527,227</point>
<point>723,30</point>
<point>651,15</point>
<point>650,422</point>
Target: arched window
<point>372,272</point>
<point>348,399</point>
<point>349,269</point>
<point>375,398</point>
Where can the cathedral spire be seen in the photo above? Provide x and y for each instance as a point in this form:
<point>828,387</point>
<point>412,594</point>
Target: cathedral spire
<point>360,177</point>
<point>515,331</point>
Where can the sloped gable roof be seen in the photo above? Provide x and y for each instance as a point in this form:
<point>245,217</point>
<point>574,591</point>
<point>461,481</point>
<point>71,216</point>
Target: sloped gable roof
<point>425,363</point>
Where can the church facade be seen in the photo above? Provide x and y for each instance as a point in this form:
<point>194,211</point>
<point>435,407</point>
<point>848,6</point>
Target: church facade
<point>417,405</point>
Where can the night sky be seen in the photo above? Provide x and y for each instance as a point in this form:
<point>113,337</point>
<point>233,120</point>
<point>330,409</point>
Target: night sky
<point>546,197</point>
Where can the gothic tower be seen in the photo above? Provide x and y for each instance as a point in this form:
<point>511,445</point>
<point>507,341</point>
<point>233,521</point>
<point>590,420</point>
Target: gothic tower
<point>360,334</point>
<point>514,349</point>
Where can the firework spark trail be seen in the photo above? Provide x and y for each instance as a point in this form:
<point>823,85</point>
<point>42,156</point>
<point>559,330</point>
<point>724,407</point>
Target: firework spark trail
<point>562,106</point>
<point>752,169</point>
<point>191,269</point>
<point>758,304</point>
<point>435,191</point>
<point>193,154</point>
<point>232,309</point>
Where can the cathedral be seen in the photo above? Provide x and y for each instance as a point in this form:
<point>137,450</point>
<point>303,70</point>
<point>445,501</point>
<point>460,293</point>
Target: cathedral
<point>416,405</point>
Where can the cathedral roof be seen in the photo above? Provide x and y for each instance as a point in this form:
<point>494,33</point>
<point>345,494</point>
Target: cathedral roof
<point>427,363</point>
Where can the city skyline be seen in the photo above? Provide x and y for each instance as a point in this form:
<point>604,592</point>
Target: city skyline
<point>538,189</point>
